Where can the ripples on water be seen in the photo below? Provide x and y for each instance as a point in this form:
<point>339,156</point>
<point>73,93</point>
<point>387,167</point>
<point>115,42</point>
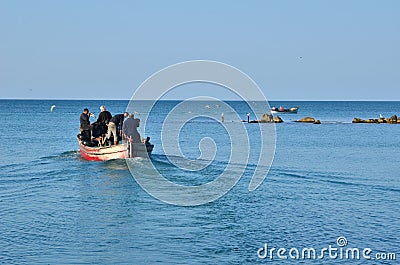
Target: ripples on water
<point>328,181</point>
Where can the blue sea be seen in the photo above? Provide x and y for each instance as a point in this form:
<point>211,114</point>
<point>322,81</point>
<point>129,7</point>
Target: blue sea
<point>329,181</point>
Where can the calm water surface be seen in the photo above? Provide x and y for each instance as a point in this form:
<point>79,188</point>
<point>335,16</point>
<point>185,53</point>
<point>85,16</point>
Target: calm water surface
<point>329,180</point>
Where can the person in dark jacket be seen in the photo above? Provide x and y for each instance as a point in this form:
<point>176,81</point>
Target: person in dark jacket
<point>115,126</point>
<point>130,129</point>
<point>104,116</point>
<point>85,123</point>
<point>84,119</point>
<point>100,126</point>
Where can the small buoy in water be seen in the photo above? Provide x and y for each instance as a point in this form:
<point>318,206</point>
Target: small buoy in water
<point>222,117</point>
<point>52,108</point>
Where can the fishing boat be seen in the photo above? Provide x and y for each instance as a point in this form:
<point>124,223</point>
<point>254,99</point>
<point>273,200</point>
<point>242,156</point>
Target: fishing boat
<point>283,110</point>
<point>91,152</point>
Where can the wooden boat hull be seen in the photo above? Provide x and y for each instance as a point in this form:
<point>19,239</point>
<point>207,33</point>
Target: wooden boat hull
<point>120,151</point>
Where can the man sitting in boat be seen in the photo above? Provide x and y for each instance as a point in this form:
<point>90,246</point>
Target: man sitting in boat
<point>85,124</point>
<point>130,129</point>
<point>115,127</point>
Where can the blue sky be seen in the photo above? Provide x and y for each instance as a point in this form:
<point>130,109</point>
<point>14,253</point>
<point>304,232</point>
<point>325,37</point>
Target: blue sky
<point>294,50</point>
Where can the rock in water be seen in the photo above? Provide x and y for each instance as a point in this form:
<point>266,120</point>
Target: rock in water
<point>278,119</point>
<point>307,119</point>
<point>358,120</point>
<point>267,118</point>
<point>392,119</point>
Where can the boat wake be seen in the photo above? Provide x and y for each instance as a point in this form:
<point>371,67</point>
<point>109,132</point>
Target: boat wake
<point>176,174</point>
<point>74,154</point>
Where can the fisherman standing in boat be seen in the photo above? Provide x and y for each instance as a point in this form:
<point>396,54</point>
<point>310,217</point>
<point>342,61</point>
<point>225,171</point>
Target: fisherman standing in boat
<point>130,129</point>
<point>85,123</point>
<point>115,126</point>
<point>104,116</point>
<point>100,126</point>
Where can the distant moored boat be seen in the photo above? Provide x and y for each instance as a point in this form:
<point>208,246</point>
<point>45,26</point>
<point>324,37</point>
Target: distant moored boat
<point>283,110</point>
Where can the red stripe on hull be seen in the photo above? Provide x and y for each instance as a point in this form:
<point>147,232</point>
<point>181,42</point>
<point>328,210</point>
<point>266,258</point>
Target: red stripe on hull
<point>113,152</point>
<point>103,153</point>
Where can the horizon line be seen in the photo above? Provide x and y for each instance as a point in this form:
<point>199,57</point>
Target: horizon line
<point>289,100</point>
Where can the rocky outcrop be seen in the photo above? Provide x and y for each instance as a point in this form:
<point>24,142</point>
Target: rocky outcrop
<point>391,120</point>
<point>278,119</point>
<point>267,118</point>
<point>307,120</point>
<point>358,120</point>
